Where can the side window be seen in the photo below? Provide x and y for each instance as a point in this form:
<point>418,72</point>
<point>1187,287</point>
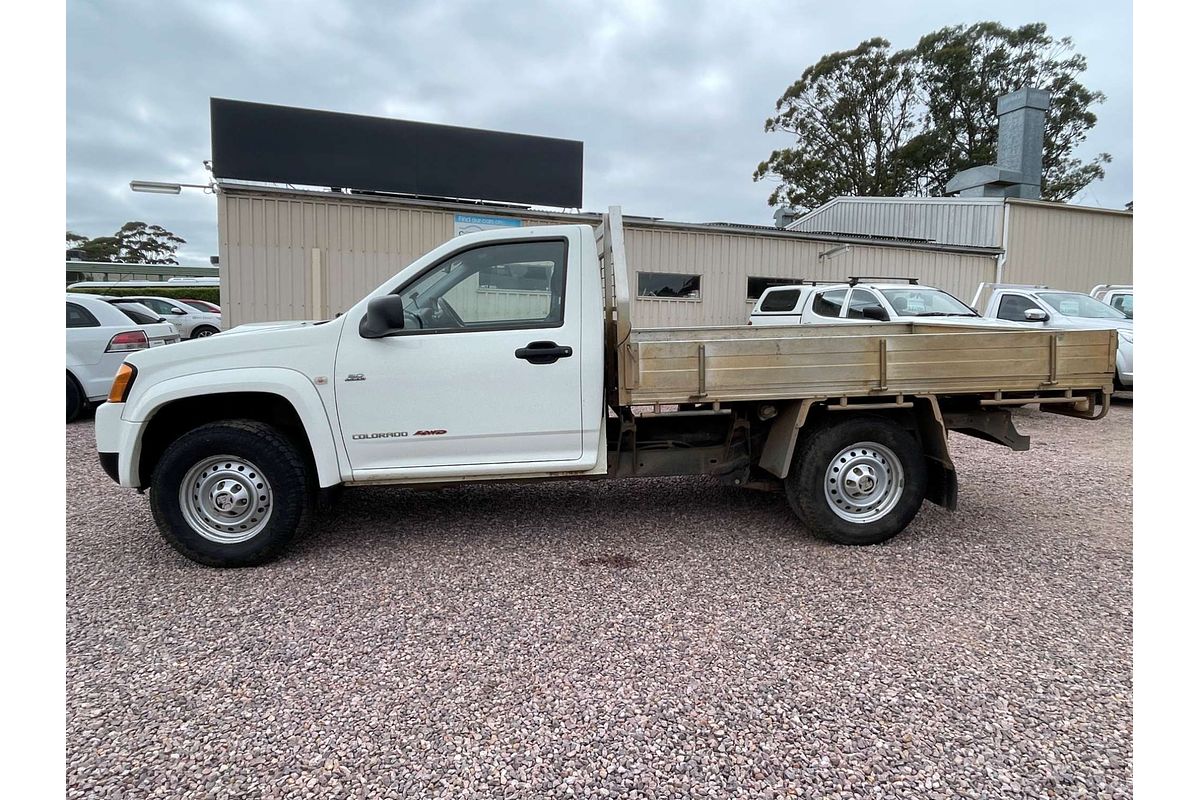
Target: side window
<point>1123,303</point>
<point>756,287</point>
<point>668,284</point>
<point>162,307</point>
<point>80,317</point>
<point>829,304</point>
<point>511,285</point>
<point>780,300</point>
<point>860,299</point>
<point>1013,307</point>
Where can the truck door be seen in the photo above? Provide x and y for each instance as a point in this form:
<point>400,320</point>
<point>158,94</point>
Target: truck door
<point>486,371</point>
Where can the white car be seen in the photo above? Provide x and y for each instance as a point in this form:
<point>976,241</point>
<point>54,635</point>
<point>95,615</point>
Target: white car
<point>863,302</point>
<point>1119,296</point>
<point>99,336</point>
<point>192,322</point>
<point>1041,306</point>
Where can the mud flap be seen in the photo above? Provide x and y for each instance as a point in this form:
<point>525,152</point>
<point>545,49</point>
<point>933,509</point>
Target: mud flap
<point>942,485</point>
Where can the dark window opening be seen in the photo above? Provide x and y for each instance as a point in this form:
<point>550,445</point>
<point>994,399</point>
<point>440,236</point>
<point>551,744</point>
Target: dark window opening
<point>667,284</point>
<point>80,317</point>
<point>756,287</point>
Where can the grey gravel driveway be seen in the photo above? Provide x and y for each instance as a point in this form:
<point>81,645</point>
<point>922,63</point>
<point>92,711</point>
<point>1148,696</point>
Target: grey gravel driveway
<point>663,638</point>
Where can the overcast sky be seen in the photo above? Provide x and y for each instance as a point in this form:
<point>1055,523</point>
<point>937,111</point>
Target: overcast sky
<point>669,99</point>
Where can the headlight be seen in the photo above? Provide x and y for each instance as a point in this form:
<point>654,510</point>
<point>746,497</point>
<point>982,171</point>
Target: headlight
<point>1125,336</point>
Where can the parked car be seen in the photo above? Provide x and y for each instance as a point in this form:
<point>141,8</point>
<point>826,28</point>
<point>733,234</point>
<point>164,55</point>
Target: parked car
<point>1037,306</point>
<point>192,323</point>
<point>1119,296</point>
<point>201,305</point>
<point>99,336</point>
<point>861,301</point>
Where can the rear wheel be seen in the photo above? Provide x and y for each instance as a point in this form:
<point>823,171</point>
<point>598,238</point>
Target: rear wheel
<point>230,494</point>
<point>75,400</point>
<point>858,481</point>
<point>204,331</point>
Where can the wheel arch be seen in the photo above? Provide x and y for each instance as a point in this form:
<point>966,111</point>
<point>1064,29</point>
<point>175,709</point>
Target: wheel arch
<point>172,408</point>
<point>923,416</point>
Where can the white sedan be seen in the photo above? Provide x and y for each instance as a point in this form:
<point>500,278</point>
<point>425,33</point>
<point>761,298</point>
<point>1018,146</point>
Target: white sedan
<point>99,336</point>
<point>191,321</point>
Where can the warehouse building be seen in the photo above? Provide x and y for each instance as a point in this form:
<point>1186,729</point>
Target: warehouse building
<point>307,254</point>
<point>1063,246</point>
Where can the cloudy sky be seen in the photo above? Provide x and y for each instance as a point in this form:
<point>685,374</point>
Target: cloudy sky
<point>668,98</point>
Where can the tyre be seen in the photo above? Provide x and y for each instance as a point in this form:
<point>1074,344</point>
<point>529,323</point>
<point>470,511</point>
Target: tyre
<point>204,331</point>
<point>75,400</point>
<point>858,481</point>
<point>231,493</point>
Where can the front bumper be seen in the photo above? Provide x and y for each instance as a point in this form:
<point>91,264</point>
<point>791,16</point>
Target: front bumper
<point>118,443</point>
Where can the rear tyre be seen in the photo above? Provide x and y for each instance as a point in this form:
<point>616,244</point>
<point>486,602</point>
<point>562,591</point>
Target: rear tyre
<point>204,331</point>
<point>858,481</point>
<point>75,400</point>
<point>231,494</point>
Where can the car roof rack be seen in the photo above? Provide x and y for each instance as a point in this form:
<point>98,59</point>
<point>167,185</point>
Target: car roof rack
<point>854,280</point>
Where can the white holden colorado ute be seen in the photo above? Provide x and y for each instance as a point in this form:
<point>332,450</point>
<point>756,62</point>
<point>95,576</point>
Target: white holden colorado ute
<point>437,379</point>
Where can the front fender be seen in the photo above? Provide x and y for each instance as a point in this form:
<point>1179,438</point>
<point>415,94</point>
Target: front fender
<point>291,385</point>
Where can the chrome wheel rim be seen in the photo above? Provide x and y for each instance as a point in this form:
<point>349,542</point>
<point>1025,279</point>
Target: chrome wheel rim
<point>863,482</point>
<point>203,333</point>
<point>226,499</point>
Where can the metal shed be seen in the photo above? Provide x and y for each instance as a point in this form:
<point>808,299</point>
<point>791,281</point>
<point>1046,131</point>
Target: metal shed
<point>1058,244</point>
<point>304,254</point>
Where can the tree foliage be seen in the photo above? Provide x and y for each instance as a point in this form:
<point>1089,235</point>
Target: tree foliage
<point>134,243</point>
<point>872,121</point>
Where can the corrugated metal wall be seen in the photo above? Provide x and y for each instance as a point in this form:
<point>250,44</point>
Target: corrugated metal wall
<point>1068,247</point>
<point>724,261</point>
<point>268,239</point>
<point>973,222</point>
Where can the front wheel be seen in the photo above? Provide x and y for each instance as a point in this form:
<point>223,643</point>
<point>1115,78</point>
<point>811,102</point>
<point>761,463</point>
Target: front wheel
<point>203,332</point>
<point>75,400</point>
<point>859,481</point>
<point>230,494</point>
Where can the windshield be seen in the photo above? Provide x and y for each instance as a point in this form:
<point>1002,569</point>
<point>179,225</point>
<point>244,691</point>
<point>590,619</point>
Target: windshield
<point>918,301</point>
<point>1074,304</point>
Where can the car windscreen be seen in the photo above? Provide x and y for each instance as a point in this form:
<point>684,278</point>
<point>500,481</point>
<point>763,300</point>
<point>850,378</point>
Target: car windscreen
<point>1074,304</point>
<point>916,301</point>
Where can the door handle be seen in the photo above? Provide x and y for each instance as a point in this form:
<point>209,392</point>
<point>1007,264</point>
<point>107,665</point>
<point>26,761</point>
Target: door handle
<point>543,352</point>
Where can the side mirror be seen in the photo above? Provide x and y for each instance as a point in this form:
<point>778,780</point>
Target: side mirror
<point>1036,315</point>
<point>876,312</point>
<point>385,315</point>
<point>178,311</point>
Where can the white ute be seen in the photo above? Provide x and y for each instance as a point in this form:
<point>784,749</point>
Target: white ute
<point>1034,306</point>
<point>864,300</point>
<point>431,380</point>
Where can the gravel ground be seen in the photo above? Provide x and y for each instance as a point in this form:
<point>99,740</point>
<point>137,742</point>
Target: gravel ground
<point>661,638</point>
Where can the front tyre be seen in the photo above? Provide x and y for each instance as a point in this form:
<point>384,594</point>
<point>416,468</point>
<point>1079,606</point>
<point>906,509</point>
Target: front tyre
<point>75,400</point>
<point>204,331</point>
<point>859,481</point>
<point>230,494</point>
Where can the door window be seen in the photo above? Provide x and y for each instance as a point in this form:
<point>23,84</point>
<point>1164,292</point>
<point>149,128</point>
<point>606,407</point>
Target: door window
<point>510,285</point>
<point>860,299</point>
<point>1013,307</point>
<point>829,304</point>
<point>161,306</point>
